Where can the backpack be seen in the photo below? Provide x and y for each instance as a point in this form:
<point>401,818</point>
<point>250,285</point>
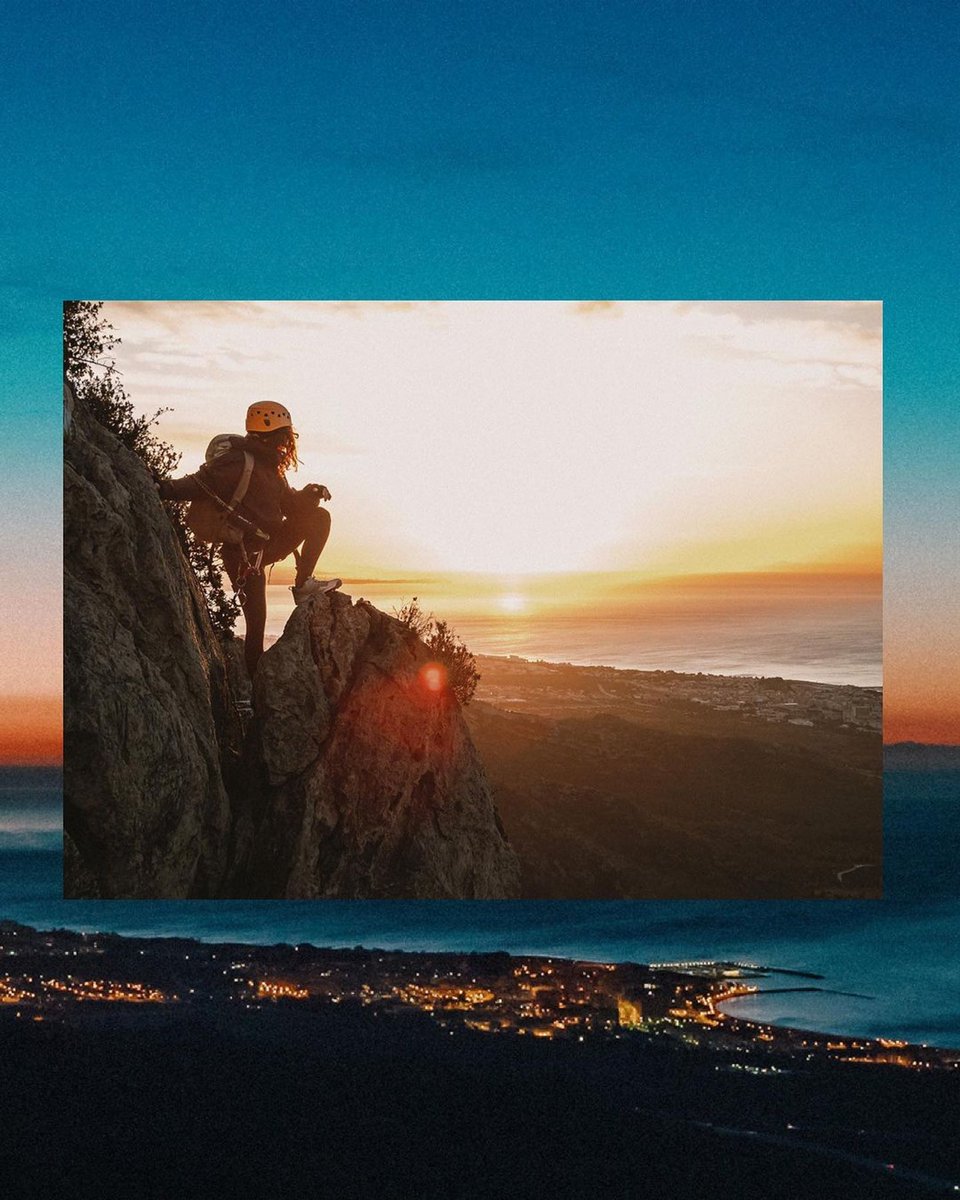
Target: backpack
<point>212,519</point>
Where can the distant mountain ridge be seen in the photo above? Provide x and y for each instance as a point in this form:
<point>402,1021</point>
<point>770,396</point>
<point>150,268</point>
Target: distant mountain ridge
<point>921,756</point>
<point>21,777</point>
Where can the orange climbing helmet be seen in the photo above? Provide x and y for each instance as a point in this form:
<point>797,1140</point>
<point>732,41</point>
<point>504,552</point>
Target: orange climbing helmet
<point>266,416</point>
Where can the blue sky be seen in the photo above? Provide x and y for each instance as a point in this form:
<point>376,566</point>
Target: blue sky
<point>455,150</point>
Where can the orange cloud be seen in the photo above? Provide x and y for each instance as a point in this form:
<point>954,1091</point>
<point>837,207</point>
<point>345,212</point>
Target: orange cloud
<point>921,702</point>
<point>606,308</point>
<point>31,730</point>
<point>940,727</point>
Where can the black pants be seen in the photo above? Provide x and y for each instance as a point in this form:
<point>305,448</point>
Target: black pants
<point>303,535</point>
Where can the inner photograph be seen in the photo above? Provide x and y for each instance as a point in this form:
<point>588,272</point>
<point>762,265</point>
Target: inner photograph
<point>472,600</point>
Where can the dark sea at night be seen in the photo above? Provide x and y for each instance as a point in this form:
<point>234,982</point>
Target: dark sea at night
<point>902,953</point>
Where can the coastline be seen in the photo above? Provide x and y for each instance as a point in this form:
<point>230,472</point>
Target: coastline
<point>821,937</point>
<point>730,644</point>
<point>771,698</point>
<point>814,1028</point>
<point>624,667</point>
<point>597,997</point>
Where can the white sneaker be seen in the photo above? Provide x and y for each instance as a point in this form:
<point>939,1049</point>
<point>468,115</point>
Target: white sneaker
<point>314,587</point>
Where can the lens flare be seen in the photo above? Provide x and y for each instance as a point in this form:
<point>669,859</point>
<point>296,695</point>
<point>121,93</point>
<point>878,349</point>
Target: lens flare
<point>433,676</point>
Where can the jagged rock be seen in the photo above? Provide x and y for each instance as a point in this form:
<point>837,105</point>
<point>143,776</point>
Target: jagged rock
<point>82,881</point>
<point>370,784</point>
<point>355,781</point>
<point>146,709</point>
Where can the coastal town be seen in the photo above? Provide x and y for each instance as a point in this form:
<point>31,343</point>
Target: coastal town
<point>70,977</point>
<point>548,688</point>
<point>627,784</point>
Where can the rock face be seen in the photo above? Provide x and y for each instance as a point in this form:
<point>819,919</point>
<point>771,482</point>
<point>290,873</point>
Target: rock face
<point>355,779</point>
<point>147,715</point>
<point>366,782</point>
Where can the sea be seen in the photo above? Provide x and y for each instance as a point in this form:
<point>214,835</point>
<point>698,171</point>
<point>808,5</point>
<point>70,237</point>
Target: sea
<point>897,960</point>
<point>891,967</point>
<point>828,632</point>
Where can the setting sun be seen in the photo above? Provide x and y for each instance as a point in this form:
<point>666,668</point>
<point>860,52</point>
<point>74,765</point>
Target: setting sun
<point>518,438</point>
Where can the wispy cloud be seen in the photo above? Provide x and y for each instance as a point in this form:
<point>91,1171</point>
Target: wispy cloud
<point>598,308</point>
<point>171,315</point>
<point>824,346</point>
<point>666,418</point>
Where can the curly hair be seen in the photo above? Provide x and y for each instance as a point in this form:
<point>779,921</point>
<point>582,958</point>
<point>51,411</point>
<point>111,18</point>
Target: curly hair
<point>284,441</point>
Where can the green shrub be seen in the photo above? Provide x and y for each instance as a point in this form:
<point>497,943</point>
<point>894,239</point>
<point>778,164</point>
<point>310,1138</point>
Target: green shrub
<point>446,647</point>
<point>89,365</point>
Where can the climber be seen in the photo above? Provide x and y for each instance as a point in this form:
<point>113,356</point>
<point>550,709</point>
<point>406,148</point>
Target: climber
<point>243,501</point>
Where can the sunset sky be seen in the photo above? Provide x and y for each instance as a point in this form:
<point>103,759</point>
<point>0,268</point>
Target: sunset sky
<point>504,150</point>
<point>546,437</point>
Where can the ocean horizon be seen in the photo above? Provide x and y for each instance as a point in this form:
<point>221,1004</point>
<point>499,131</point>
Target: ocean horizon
<point>824,635</point>
<point>892,954</point>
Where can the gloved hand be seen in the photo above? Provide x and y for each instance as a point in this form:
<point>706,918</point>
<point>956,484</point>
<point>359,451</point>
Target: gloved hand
<point>318,490</point>
<point>163,489</point>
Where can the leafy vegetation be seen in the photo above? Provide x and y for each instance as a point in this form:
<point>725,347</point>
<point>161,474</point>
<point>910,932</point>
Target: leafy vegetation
<point>88,363</point>
<point>445,645</point>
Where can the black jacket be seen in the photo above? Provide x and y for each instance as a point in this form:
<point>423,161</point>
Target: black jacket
<point>269,497</point>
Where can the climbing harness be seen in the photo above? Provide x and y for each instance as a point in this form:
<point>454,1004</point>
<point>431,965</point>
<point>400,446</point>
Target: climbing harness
<point>220,521</point>
<point>248,567</point>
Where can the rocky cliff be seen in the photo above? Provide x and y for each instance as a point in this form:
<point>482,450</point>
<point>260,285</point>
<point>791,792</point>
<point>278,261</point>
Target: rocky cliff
<point>364,780</point>
<point>147,714</point>
<point>353,779</point>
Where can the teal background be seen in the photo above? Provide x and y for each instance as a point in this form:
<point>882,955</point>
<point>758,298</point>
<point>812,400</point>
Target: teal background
<point>463,150</point>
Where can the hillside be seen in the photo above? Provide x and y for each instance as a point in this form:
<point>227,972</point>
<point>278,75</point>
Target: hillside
<point>636,784</point>
<point>353,781</point>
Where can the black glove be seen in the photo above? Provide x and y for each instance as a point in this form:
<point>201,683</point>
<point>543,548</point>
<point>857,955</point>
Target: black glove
<point>318,490</point>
